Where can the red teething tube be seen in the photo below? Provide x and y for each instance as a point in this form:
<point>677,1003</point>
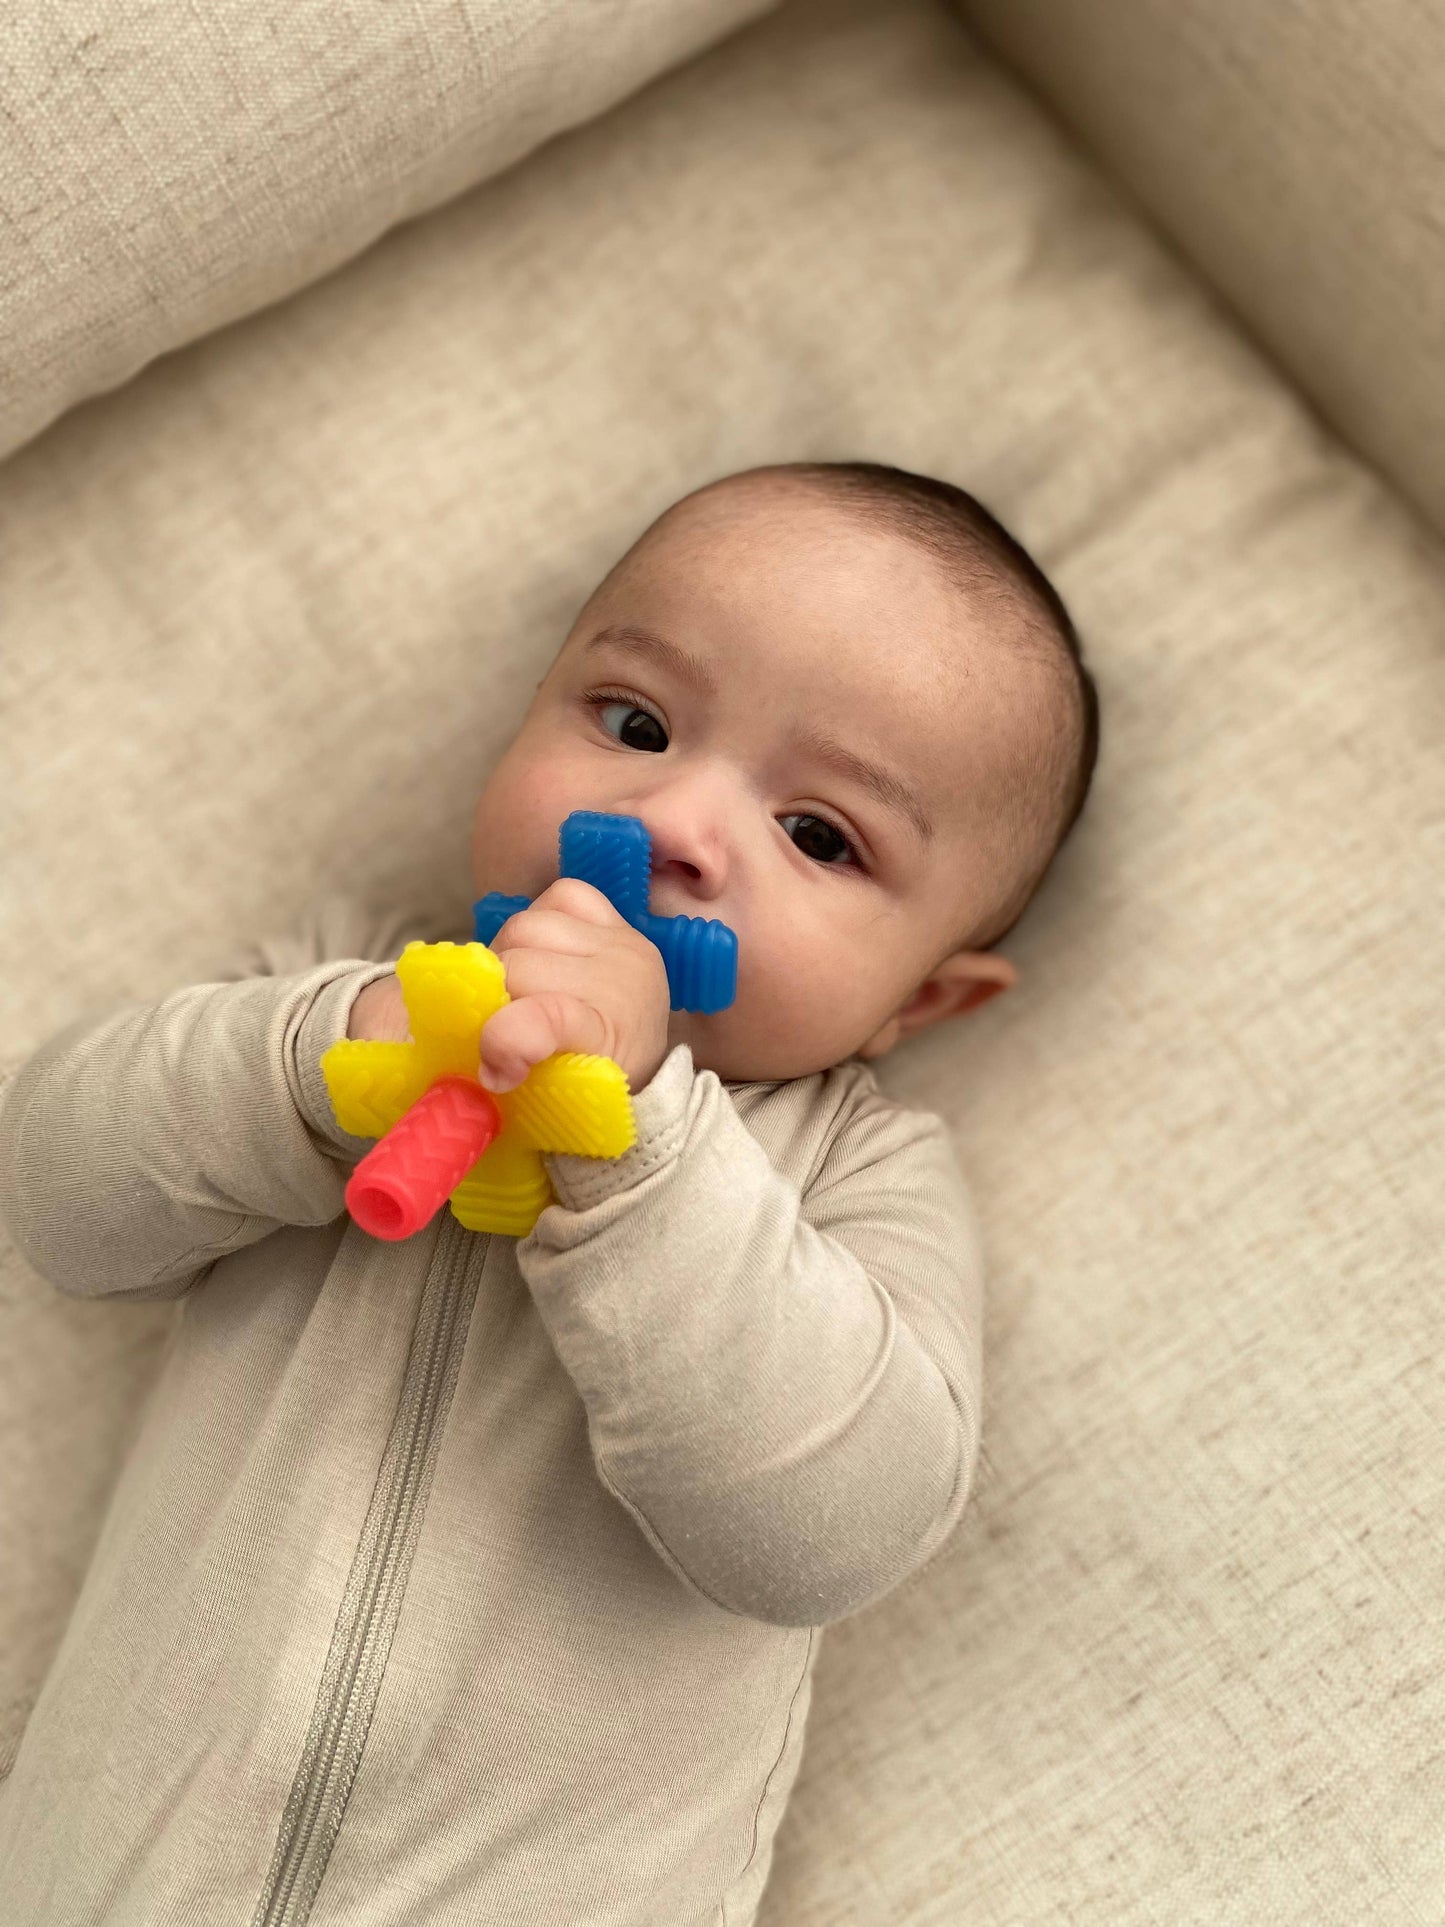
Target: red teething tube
<point>405,1179</point>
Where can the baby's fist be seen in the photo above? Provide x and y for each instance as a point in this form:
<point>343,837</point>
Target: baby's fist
<point>580,978</point>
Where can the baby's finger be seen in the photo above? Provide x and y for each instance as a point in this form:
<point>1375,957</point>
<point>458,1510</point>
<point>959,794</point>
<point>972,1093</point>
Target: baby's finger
<point>579,899</point>
<point>527,1030</point>
<point>532,972</point>
<point>545,927</point>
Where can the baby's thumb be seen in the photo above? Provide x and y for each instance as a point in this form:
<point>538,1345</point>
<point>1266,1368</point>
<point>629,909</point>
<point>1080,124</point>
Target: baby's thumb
<point>523,1033</point>
<point>512,1041</point>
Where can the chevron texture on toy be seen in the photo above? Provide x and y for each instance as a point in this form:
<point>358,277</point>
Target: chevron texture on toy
<point>443,1136</point>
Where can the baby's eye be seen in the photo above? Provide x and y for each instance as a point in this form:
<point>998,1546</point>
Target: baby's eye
<point>640,728</point>
<point>824,846</point>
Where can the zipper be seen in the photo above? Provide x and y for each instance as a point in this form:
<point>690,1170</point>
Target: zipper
<point>371,1603</point>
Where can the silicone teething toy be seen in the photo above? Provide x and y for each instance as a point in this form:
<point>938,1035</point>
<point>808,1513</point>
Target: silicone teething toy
<point>443,1136</point>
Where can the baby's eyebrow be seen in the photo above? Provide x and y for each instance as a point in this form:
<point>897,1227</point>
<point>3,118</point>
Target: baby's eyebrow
<point>633,641</point>
<point>890,790</point>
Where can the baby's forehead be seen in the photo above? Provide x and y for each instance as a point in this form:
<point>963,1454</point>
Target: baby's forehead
<point>754,505</point>
<point>797,576</point>
<point>869,573</point>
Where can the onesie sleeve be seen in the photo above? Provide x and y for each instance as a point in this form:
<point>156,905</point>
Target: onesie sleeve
<point>783,1387</point>
<point>138,1148</point>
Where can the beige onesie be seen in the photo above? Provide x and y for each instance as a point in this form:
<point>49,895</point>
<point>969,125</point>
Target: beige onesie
<point>469,1581</point>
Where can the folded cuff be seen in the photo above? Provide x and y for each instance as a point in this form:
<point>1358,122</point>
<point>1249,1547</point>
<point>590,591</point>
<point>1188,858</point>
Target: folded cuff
<point>324,1025</point>
<point>660,1113</point>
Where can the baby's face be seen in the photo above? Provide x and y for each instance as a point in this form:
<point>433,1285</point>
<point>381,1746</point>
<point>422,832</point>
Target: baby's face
<point>843,893</point>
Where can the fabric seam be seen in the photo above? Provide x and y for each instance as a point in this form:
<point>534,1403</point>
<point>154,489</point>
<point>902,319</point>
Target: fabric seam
<point>782,1754</point>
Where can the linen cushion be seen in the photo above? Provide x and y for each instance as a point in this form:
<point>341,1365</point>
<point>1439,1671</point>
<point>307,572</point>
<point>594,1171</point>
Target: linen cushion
<point>1294,154</point>
<point>167,168</point>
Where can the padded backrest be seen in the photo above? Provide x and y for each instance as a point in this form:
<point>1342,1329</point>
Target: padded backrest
<point>1295,154</point>
<point>167,169</point>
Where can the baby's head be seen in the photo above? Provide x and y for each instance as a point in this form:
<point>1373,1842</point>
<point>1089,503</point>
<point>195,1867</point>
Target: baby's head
<point>852,715</point>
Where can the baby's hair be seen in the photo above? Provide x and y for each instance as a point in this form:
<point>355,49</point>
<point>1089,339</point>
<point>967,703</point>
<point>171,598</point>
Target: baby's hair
<point>977,552</point>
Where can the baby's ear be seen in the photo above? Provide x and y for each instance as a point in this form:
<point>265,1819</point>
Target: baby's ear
<point>976,994</point>
<point>961,983</point>
<point>974,976</point>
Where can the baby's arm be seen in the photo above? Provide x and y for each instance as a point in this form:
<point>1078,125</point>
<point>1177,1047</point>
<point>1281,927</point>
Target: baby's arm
<point>783,1391</point>
<point>138,1148</point>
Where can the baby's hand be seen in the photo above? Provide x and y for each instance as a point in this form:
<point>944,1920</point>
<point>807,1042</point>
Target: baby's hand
<point>379,1012</point>
<point>580,979</point>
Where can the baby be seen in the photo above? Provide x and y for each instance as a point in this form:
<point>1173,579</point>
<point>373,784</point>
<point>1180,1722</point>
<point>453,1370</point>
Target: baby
<point>471,1579</point>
